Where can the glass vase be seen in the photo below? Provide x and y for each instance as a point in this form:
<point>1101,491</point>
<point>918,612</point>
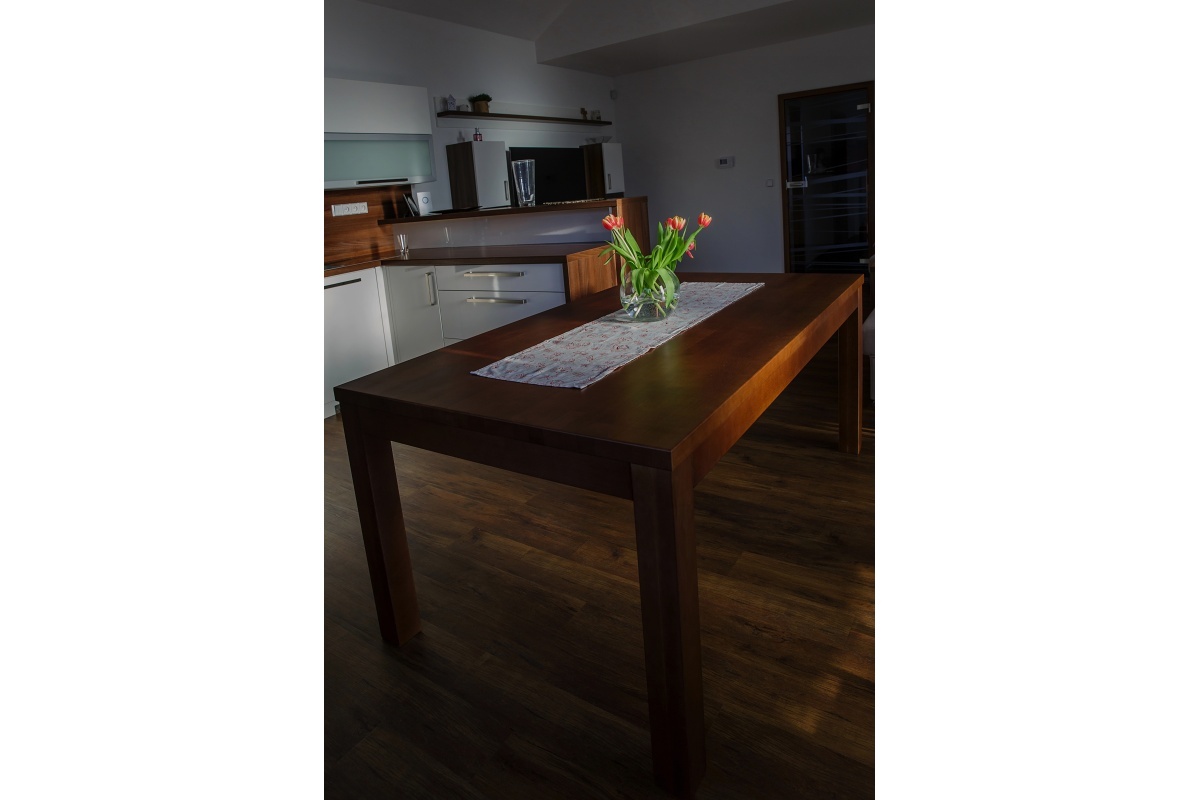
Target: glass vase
<point>647,303</point>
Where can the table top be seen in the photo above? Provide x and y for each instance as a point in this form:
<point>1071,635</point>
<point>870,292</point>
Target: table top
<point>656,410</point>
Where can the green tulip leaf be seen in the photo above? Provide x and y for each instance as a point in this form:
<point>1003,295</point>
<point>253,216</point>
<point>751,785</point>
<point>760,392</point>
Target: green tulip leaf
<point>668,281</point>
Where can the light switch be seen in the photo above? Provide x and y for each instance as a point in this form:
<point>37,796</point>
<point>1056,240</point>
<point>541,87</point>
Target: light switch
<point>724,162</point>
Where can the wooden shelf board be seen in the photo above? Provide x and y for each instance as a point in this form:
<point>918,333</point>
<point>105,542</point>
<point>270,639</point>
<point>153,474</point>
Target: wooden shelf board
<point>523,118</point>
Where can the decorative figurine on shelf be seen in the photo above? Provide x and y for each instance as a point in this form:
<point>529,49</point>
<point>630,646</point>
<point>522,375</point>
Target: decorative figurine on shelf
<point>450,103</point>
<point>583,112</point>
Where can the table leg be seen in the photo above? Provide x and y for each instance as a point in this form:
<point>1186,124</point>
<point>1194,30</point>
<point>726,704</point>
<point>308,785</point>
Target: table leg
<point>382,522</point>
<point>850,367</point>
<point>666,548</point>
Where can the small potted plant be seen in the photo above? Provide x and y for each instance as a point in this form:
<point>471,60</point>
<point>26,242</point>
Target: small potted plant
<point>479,103</point>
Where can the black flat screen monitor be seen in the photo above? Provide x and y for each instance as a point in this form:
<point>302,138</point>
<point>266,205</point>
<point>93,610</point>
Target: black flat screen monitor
<point>557,173</point>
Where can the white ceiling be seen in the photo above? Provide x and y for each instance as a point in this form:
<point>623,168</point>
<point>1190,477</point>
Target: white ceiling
<point>616,37</point>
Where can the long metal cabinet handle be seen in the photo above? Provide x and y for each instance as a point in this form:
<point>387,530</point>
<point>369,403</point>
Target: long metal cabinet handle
<point>343,283</point>
<point>430,288</point>
<point>610,181</point>
<point>492,274</point>
<point>506,190</point>
<point>495,300</point>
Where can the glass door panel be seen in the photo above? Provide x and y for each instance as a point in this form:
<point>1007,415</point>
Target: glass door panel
<point>826,158</point>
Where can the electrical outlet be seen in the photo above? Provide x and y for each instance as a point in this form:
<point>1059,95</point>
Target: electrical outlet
<point>346,209</point>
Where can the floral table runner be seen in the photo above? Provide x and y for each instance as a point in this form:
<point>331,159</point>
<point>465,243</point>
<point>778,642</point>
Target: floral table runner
<point>583,355</point>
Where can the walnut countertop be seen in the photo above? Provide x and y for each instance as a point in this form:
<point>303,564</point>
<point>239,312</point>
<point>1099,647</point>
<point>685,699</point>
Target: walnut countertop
<point>568,205</point>
<point>550,253</point>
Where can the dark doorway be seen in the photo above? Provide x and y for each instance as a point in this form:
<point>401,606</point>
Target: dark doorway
<point>827,154</point>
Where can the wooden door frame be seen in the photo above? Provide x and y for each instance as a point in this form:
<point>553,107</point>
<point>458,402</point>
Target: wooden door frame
<point>845,87</point>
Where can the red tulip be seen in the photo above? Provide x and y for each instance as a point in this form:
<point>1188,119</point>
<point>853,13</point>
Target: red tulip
<point>612,221</point>
<point>704,220</point>
<point>676,223</point>
<point>691,247</point>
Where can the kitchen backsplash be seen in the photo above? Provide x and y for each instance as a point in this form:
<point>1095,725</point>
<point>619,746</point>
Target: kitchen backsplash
<point>360,236</point>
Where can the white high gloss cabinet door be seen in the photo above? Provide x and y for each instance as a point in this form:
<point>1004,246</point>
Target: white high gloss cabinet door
<point>491,174</point>
<point>412,304</point>
<point>354,332</point>
<point>614,168</point>
<point>467,314</point>
<point>501,277</point>
<point>365,107</point>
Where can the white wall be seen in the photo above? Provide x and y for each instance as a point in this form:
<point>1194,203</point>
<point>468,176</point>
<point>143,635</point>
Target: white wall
<point>676,121</point>
<point>672,122</point>
<point>371,43</point>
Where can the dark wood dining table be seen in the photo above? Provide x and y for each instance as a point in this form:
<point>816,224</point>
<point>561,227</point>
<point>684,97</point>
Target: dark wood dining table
<point>648,432</point>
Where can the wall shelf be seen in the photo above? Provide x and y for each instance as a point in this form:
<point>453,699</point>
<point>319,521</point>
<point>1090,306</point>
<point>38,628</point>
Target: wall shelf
<point>522,118</point>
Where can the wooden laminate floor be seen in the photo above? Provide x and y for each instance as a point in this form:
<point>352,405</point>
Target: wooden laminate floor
<point>528,681</point>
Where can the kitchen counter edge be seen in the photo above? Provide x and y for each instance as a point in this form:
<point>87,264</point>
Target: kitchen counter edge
<point>552,253</point>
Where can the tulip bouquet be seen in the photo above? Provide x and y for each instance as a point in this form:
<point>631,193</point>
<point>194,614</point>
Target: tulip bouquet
<point>647,280</point>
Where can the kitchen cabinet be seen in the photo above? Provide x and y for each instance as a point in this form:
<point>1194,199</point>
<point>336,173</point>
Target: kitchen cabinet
<point>603,169</point>
<point>355,334</point>
<point>376,134</point>
<point>366,107</point>
<point>478,298</point>
<point>429,300</point>
<point>478,174</point>
<point>588,272</point>
<point>413,313</point>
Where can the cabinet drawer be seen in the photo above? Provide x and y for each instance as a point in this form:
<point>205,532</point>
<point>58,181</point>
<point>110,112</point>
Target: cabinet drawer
<point>502,277</point>
<point>466,314</point>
